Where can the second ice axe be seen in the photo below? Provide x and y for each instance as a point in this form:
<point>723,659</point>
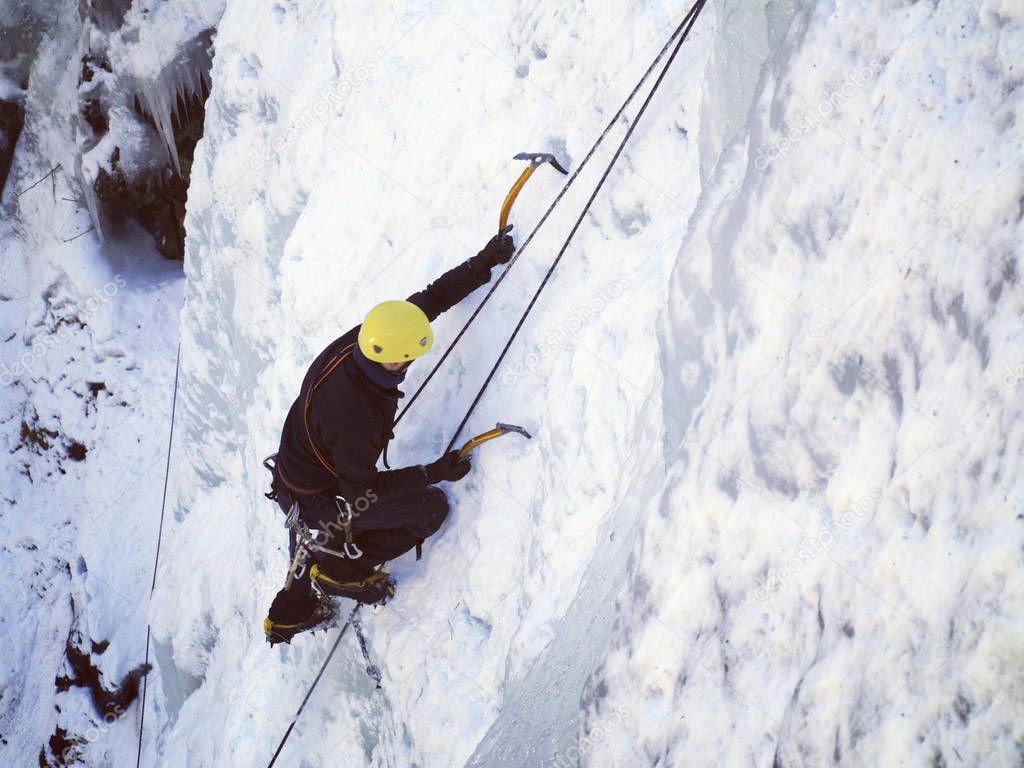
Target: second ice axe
<point>499,430</point>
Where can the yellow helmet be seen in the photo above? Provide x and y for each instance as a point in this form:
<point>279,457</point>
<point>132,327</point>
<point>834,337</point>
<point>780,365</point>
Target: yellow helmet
<point>395,332</point>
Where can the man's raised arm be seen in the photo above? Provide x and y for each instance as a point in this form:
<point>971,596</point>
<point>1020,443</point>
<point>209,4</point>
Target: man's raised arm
<point>457,283</point>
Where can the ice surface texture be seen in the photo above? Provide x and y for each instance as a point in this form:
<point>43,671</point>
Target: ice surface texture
<point>777,499</point>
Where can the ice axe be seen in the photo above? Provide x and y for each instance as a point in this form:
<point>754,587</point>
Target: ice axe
<point>499,430</point>
<point>536,159</point>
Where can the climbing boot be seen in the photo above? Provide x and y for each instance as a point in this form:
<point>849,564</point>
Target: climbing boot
<point>375,589</point>
<point>323,616</point>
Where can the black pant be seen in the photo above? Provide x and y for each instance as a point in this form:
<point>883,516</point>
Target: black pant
<point>421,515</point>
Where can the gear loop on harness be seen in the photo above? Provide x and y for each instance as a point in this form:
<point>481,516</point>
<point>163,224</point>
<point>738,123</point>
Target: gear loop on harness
<point>305,541</point>
<point>309,540</point>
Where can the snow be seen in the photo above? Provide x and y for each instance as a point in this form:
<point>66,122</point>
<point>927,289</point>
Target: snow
<point>837,443</point>
<point>772,511</point>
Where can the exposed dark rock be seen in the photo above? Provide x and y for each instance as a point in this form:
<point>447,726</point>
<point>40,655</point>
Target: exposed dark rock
<point>12,118</point>
<point>36,438</point>
<point>109,14</point>
<point>85,674</point>
<point>92,64</point>
<point>95,117</point>
<point>65,749</point>
<point>158,204</point>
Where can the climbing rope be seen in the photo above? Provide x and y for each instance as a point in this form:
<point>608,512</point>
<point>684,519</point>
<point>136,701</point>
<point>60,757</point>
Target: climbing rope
<point>688,22</point>
<point>565,188</point>
<point>159,538</point>
<point>351,619</point>
<point>681,32</point>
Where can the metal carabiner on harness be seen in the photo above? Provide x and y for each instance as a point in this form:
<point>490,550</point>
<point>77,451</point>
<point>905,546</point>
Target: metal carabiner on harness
<point>346,515</point>
<point>299,536</point>
<point>292,517</point>
<point>352,551</point>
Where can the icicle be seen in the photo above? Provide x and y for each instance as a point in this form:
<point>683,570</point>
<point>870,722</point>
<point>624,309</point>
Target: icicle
<point>180,82</point>
<point>92,203</point>
<point>158,101</point>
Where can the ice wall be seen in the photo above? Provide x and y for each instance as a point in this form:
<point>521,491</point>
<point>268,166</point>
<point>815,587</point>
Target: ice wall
<point>831,572</point>
<point>772,505</point>
<point>540,721</point>
<point>354,172</point>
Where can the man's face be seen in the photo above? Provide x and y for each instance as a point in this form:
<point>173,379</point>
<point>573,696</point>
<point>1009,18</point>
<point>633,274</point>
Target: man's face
<point>396,367</point>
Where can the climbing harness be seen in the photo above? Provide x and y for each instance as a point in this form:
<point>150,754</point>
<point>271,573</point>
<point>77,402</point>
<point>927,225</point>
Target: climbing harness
<point>303,541</point>
<point>679,36</point>
<point>307,541</point>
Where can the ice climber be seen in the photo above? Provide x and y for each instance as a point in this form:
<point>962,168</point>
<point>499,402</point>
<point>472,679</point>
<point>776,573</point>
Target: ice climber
<point>358,516</point>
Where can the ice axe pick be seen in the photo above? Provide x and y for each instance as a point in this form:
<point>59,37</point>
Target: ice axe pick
<point>536,159</point>
<point>499,430</point>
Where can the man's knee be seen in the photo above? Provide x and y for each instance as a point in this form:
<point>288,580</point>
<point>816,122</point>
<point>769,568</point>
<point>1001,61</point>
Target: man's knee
<point>435,512</point>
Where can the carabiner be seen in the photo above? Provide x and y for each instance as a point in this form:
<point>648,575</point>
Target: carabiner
<point>293,516</point>
<point>349,547</point>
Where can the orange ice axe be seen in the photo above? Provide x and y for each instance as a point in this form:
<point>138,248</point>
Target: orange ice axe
<point>536,159</point>
<point>499,430</point>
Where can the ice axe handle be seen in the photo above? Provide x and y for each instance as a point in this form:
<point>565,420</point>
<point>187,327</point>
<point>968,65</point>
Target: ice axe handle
<point>499,430</point>
<point>513,193</point>
<point>535,159</point>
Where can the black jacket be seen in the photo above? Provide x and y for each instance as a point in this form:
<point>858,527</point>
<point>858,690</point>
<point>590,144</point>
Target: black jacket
<point>350,418</point>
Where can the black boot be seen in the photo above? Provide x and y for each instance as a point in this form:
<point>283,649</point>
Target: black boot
<point>375,589</point>
<point>296,610</point>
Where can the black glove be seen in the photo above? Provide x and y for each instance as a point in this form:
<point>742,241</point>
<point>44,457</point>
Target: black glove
<point>449,467</point>
<point>498,250</point>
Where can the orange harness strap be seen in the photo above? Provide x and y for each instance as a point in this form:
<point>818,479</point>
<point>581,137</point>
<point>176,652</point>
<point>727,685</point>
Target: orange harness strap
<point>328,369</point>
